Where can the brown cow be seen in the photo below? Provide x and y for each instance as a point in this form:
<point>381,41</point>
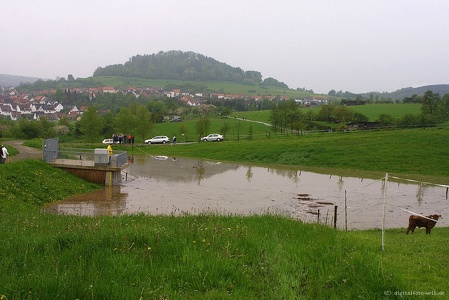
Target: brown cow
<point>418,221</point>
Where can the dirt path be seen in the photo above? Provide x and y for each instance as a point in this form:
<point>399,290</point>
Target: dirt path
<point>24,151</point>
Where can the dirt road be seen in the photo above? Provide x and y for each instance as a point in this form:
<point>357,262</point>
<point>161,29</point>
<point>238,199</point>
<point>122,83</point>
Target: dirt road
<point>24,151</point>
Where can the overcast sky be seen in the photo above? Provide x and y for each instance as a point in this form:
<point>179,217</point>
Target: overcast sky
<point>357,46</point>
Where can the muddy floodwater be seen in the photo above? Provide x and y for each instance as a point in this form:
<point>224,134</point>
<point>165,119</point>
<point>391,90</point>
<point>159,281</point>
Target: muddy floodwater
<point>175,186</point>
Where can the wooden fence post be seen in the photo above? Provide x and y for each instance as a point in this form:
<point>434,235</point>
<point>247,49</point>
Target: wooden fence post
<point>335,216</point>
<point>346,213</point>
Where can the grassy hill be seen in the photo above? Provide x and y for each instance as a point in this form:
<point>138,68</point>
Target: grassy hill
<point>188,66</point>
<point>400,94</point>
<point>12,80</point>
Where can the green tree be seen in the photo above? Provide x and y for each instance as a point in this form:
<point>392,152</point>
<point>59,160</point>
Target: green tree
<point>326,113</point>
<point>225,129</point>
<point>342,113</point>
<point>284,115</point>
<point>143,121</point>
<point>91,125</point>
<point>359,117</point>
<point>224,111</point>
<point>410,120</point>
<point>125,121</point>
<point>108,125</point>
<point>386,120</point>
<point>27,129</point>
<point>445,107</point>
<point>47,129</point>
<point>275,118</point>
<point>430,104</point>
<point>59,96</point>
<point>238,127</point>
<point>182,131</point>
<point>206,109</point>
<point>158,110</point>
<point>64,121</point>
<point>291,114</point>
<point>202,126</point>
<point>5,125</point>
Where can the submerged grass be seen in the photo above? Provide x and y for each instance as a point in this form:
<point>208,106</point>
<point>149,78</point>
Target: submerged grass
<point>47,256</point>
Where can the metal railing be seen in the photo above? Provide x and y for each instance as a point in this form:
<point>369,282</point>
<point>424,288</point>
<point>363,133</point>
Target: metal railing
<point>86,157</point>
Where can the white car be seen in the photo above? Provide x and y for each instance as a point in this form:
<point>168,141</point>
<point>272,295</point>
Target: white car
<point>108,141</point>
<point>160,139</point>
<point>214,137</point>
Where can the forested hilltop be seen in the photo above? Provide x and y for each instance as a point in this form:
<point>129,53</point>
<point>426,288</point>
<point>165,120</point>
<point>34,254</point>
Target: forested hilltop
<point>187,66</point>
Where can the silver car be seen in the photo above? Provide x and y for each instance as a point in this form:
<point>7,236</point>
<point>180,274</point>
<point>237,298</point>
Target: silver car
<point>214,137</point>
<point>160,139</point>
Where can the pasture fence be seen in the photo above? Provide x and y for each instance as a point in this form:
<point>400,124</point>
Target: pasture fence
<point>390,208</point>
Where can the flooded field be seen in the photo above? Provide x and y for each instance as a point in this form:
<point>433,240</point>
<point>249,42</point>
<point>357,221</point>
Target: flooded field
<point>170,186</point>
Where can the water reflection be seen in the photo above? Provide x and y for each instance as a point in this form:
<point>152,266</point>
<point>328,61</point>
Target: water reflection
<point>169,185</point>
<point>108,201</point>
<point>249,174</point>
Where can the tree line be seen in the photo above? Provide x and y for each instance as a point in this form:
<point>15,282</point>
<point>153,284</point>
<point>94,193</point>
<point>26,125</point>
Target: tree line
<point>287,117</point>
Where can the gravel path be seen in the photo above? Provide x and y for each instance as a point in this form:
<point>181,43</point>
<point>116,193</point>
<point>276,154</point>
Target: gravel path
<point>24,151</point>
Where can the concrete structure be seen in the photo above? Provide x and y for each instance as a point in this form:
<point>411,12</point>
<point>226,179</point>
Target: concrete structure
<point>93,165</point>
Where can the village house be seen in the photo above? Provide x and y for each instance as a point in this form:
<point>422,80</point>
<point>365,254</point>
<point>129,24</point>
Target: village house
<point>108,89</point>
<point>173,93</point>
<point>190,100</point>
<point>6,110</point>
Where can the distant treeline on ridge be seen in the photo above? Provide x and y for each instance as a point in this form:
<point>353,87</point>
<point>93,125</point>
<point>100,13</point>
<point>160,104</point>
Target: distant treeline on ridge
<point>188,66</point>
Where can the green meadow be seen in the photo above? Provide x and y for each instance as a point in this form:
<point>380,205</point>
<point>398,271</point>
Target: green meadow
<point>242,125</point>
